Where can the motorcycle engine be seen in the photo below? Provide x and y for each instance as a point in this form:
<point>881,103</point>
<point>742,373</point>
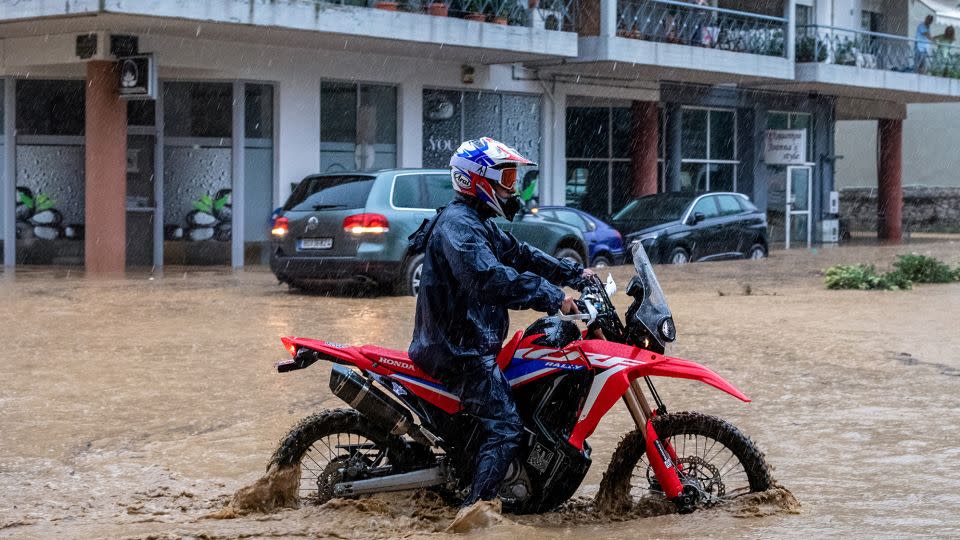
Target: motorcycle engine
<point>516,485</point>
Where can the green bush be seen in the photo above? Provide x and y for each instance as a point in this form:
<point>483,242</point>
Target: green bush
<point>864,277</point>
<point>924,269</point>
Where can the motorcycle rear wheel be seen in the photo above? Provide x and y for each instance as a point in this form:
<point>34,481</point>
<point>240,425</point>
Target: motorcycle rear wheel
<point>327,443</point>
<point>723,462</point>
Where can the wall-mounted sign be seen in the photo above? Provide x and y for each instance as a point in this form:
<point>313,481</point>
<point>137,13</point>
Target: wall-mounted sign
<point>785,146</point>
<point>138,77</point>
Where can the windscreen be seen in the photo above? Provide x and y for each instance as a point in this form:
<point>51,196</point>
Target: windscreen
<point>655,208</point>
<point>654,307</point>
<point>330,193</point>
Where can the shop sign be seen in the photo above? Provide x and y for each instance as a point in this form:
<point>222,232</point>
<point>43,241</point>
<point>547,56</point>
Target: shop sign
<point>138,77</point>
<point>785,146</point>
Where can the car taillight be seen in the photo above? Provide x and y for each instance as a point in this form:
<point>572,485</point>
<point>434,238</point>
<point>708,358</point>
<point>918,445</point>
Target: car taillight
<point>281,226</point>
<point>366,224</point>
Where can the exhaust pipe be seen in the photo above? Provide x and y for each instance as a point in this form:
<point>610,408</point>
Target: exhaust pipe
<point>394,482</point>
<point>370,401</point>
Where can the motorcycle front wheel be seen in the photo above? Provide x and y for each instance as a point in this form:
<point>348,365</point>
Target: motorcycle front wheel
<point>715,457</point>
<point>329,443</point>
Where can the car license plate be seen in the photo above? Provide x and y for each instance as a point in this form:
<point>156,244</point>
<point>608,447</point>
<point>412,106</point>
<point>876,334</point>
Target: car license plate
<point>316,243</point>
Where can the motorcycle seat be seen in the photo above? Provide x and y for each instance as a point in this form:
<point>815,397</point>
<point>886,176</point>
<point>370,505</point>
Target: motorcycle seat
<point>396,361</point>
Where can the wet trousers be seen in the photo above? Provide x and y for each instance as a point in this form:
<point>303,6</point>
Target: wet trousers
<point>485,394</point>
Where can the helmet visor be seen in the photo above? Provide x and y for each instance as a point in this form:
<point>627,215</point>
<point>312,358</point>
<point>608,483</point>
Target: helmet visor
<point>508,178</point>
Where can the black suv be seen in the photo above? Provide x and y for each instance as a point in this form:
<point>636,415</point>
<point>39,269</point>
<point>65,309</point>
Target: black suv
<point>683,227</point>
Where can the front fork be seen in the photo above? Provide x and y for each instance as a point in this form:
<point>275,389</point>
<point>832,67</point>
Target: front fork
<point>660,453</point>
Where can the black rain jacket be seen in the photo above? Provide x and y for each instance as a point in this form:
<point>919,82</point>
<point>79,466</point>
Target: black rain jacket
<point>472,273</point>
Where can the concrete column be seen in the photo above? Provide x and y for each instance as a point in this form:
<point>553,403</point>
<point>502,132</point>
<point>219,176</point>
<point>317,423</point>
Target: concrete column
<point>8,199</point>
<point>106,171</point>
<point>890,179</point>
<point>644,132</point>
<point>674,142</point>
<point>410,130</point>
<point>790,8</point>
<point>238,159</point>
<point>608,18</point>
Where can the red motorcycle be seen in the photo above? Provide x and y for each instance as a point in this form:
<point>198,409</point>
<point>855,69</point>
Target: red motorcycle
<point>403,430</point>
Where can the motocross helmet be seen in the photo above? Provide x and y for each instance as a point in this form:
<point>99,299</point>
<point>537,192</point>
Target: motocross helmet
<point>479,165</point>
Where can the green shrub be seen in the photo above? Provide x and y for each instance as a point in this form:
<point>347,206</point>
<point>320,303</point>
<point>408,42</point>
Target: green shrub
<point>924,269</point>
<point>864,277</point>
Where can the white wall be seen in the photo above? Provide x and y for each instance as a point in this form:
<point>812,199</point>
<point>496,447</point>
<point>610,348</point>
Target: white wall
<point>930,156</point>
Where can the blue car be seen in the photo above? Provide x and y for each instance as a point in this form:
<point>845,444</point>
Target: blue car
<point>605,245</point>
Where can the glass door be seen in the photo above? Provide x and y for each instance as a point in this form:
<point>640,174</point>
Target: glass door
<point>798,206</point>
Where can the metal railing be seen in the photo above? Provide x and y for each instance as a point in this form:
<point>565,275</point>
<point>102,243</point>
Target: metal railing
<point>873,50</point>
<point>684,23</point>
<point>544,14</point>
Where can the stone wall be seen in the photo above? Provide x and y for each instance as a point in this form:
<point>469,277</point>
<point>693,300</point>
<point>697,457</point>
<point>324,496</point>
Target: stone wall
<point>925,209</point>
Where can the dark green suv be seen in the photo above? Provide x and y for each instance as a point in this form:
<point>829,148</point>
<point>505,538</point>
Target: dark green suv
<point>355,226</point>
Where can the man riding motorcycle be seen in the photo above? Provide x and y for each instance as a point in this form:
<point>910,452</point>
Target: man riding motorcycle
<point>472,273</point>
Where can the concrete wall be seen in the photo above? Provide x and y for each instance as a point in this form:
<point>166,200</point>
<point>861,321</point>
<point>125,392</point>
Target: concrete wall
<point>924,209</point>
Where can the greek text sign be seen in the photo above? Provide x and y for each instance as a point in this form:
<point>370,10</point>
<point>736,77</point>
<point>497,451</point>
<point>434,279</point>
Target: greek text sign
<point>785,146</point>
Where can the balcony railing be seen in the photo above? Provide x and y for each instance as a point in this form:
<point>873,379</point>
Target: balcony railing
<point>545,14</point>
<point>701,26</point>
<point>873,50</point>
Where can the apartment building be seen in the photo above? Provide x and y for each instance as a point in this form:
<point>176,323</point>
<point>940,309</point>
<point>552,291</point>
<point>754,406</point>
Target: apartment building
<point>227,103</point>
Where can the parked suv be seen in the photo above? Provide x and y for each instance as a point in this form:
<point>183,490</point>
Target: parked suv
<point>684,227</point>
<point>356,226</point>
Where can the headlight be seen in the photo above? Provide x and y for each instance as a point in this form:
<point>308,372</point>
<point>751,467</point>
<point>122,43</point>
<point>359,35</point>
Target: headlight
<point>667,329</point>
<point>646,239</point>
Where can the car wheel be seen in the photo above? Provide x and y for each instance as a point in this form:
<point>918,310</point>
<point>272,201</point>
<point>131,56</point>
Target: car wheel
<point>756,252</point>
<point>601,261</point>
<point>410,279</point>
<point>570,255</point>
<point>679,256</point>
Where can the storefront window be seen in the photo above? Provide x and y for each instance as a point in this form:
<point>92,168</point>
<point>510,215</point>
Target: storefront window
<point>358,127</point>
<point>451,117</point>
<point>599,176</point>
<point>708,150</point>
<point>53,108</point>
<point>198,172</point>
<point>50,187</point>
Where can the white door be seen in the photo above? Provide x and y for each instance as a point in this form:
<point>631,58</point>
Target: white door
<point>798,205</point>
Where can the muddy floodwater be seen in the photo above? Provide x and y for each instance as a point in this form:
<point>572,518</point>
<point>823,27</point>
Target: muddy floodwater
<point>135,408</point>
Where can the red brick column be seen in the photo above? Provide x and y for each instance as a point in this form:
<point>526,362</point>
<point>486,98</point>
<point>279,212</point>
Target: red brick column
<point>890,179</point>
<point>106,172</point>
<point>645,131</point>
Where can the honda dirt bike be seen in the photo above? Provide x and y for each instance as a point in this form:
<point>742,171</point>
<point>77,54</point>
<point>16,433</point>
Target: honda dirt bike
<point>403,430</point>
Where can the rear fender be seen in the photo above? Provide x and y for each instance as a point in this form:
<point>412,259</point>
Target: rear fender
<point>306,351</point>
<point>617,365</point>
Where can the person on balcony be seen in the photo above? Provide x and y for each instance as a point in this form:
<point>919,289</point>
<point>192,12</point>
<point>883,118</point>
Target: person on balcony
<point>924,44</point>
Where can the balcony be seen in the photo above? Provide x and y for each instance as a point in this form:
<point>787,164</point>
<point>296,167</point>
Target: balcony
<point>857,63</point>
<point>686,42</point>
<point>487,31</point>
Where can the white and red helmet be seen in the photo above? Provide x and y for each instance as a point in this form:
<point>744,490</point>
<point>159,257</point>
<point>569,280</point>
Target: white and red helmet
<point>480,163</point>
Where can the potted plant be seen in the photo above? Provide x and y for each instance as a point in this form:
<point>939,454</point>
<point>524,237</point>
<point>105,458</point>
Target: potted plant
<point>500,13</point>
<point>386,6</point>
<point>438,9</point>
<point>473,10</point>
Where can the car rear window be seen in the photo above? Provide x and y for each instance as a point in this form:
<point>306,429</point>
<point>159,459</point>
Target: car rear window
<point>330,193</point>
<point>729,205</point>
